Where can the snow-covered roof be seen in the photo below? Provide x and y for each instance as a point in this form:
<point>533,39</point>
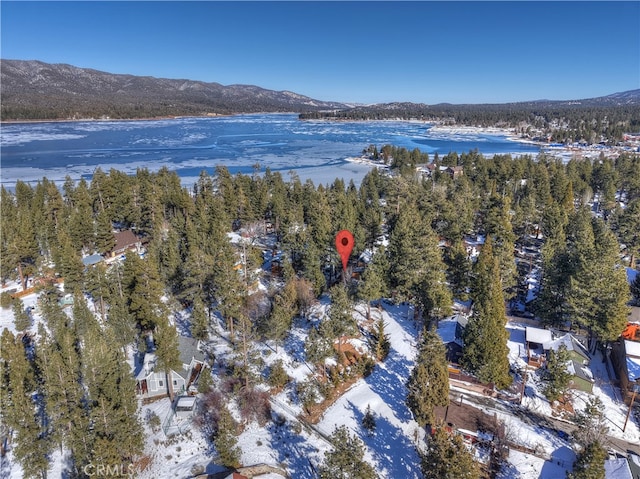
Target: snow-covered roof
<point>617,469</point>
<point>186,401</point>
<point>93,259</point>
<point>538,335</point>
<point>450,329</point>
<point>632,348</point>
<point>633,368</point>
<point>578,370</point>
<point>571,343</point>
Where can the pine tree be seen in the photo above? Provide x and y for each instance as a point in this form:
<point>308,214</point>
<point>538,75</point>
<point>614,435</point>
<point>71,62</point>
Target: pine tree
<point>30,442</point>
<point>21,318</point>
<point>166,342</point>
<point>279,322</point>
<point>372,286</point>
<point>590,463</point>
<point>346,459</point>
<point>64,393</point>
<point>447,457</point>
<point>428,384</point>
<point>485,337</point>
<point>379,341</point>
<point>369,421</point>
<point>458,270</point>
<point>340,321</point>
<point>592,423</point>
<point>556,374</point>
<point>226,440</point>
<point>116,430</point>
<point>199,320</point>
<point>417,268</point>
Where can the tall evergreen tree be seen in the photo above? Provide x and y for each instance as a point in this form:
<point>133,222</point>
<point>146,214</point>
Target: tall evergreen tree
<point>428,384</point>
<point>166,343</point>
<point>485,337</point>
<point>226,440</point>
<point>30,442</point>
<point>116,431</point>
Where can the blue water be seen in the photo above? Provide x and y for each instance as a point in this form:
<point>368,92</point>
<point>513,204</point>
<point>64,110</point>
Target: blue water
<point>316,150</point>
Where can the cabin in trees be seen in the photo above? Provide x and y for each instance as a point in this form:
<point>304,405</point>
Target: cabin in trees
<point>450,331</point>
<point>625,357</point>
<point>152,383</point>
<point>540,341</point>
<point>125,241</point>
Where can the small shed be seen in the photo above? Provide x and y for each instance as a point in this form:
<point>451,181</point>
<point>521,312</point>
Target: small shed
<point>185,406</point>
<point>535,338</point>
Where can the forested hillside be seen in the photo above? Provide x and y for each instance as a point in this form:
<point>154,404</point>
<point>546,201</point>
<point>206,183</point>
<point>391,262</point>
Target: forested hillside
<point>595,120</point>
<point>33,90</point>
<point>67,386</point>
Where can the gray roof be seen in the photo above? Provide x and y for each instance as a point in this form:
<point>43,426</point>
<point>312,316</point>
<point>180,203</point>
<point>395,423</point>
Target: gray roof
<point>188,349</point>
<point>93,259</point>
<point>570,342</point>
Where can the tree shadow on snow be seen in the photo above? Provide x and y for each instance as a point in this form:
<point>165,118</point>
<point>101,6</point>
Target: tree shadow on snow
<point>294,451</point>
<point>388,381</point>
<point>393,451</point>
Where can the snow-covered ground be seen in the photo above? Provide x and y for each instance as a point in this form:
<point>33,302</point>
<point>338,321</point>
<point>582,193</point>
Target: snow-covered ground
<point>391,448</point>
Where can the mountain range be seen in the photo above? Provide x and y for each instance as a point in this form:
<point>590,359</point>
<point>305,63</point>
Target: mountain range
<point>37,90</point>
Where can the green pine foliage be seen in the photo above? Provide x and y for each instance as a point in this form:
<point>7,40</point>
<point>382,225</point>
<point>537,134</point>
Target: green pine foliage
<point>485,337</point>
<point>428,384</point>
<point>21,318</point>
<point>346,459</point>
<point>447,457</point>
<point>379,340</point>
<point>590,463</point>
<point>30,440</point>
<point>369,421</point>
<point>226,439</point>
<point>556,375</point>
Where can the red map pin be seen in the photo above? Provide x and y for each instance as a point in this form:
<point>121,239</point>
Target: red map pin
<point>344,245</point>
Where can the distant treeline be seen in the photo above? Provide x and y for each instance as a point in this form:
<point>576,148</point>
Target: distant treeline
<point>560,122</point>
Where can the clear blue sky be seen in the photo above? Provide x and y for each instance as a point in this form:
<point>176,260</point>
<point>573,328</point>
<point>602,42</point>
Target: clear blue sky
<point>367,52</point>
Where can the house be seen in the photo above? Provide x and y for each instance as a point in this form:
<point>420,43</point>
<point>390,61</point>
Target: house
<point>125,241</point>
<point>577,352</point>
<point>581,377</point>
<point>625,357</point>
<point>450,331</point>
<point>151,383</point>
<point>578,365</point>
<point>454,171</point>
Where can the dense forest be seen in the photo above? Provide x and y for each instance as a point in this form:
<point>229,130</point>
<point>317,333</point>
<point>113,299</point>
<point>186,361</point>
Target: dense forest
<point>73,372</point>
<point>558,122</point>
